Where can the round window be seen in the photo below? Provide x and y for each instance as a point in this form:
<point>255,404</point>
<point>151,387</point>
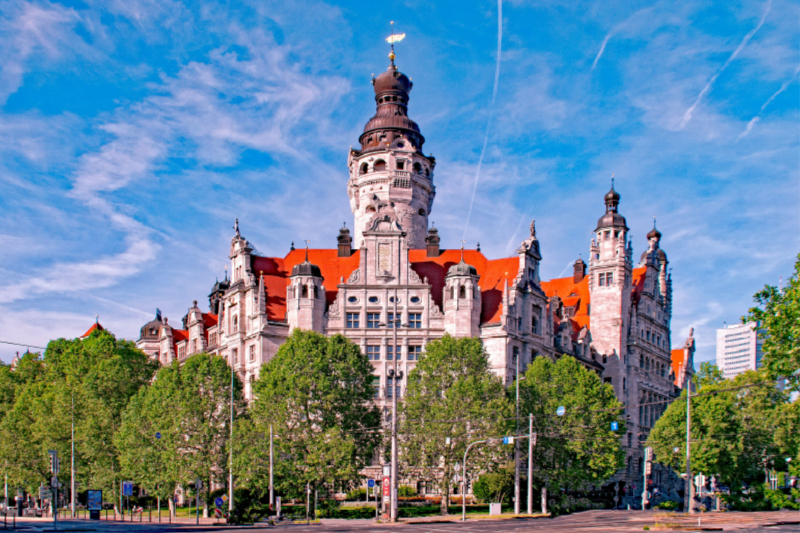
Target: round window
<point>352,299</point>
<point>415,299</point>
<point>373,299</point>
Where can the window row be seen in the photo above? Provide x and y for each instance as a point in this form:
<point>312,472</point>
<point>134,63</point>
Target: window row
<point>374,321</point>
<point>393,387</point>
<point>374,352</point>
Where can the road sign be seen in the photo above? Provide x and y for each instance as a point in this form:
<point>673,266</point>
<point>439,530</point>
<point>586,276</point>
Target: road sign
<point>218,502</point>
<point>614,426</point>
<point>198,484</point>
<point>648,454</point>
<point>224,497</point>
<point>386,492</point>
<point>648,468</point>
<point>44,493</point>
<point>508,440</point>
<point>561,411</point>
<point>370,483</point>
<point>127,488</point>
<point>218,513</point>
<point>158,434</point>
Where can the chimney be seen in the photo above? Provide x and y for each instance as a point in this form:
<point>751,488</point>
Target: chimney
<point>580,271</point>
<point>432,242</point>
<point>345,243</point>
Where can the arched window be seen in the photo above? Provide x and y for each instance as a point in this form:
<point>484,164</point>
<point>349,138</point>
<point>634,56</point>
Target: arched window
<point>304,293</point>
<point>417,168</point>
<point>235,323</point>
<point>379,166</point>
<point>462,292</point>
<point>364,168</point>
<point>315,292</point>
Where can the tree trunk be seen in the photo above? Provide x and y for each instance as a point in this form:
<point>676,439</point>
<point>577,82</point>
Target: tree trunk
<point>445,500</point>
<point>171,506</point>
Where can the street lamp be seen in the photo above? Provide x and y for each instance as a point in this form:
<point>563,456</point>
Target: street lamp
<point>395,375</point>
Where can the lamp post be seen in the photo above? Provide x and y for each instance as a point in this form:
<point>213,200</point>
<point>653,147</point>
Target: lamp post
<point>464,480</point>
<point>396,376</point>
<point>516,445</point>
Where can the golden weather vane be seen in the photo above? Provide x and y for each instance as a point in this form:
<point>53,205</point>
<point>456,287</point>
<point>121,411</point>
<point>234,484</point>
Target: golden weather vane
<point>394,38</point>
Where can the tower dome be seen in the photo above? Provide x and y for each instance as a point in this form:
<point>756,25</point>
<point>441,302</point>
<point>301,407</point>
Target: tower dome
<point>391,116</point>
<point>462,269</point>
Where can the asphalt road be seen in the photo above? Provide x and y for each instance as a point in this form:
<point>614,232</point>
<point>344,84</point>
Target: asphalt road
<point>590,521</point>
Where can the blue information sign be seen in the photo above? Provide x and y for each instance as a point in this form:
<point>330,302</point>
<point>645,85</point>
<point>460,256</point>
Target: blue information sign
<point>218,502</point>
<point>614,426</point>
<point>127,488</point>
<point>158,435</point>
<point>371,483</point>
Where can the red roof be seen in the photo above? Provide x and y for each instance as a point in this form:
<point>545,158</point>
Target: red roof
<point>179,335</point>
<point>95,327</point>
<point>493,274</point>
<point>572,295</point>
<point>677,362</point>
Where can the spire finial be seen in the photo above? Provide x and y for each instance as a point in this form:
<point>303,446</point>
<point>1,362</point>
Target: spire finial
<point>391,40</point>
<point>654,222</point>
<point>612,180</point>
<point>462,250</point>
<point>307,241</point>
<point>226,272</point>
<point>236,227</point>
<point>96,319</point>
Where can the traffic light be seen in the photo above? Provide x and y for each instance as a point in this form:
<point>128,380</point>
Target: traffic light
<point>53,462</point>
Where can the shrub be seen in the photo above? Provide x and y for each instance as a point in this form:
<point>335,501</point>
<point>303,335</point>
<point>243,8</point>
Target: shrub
<point>357,495</point>
<point>668,505</point>
<point>406,491</point>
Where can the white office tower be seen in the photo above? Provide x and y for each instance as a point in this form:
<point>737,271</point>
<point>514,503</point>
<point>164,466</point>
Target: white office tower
<point>738,349</point>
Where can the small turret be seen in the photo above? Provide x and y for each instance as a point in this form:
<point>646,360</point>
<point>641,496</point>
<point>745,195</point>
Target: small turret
<point>306,297</point>
<point>462,302</point>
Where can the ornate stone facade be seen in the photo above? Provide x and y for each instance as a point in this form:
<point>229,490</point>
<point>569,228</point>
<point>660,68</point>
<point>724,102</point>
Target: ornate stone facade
<point>615,319</point>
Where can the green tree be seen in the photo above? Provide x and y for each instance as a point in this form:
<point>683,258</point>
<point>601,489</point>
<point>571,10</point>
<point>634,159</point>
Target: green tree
<point>452,394</point>
<point>778,315</point>
<point>578,448</point>
<point>735,433</point>
<point>189,404</point>
<point>316,393</point>
<point>86,381</point>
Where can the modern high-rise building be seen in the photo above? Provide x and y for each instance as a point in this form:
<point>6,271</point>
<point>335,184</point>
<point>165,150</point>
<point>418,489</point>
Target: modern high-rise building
<point>738,349</point>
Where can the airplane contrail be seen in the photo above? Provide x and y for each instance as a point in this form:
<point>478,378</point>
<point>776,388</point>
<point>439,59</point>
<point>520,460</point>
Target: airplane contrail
<point>491,109</point>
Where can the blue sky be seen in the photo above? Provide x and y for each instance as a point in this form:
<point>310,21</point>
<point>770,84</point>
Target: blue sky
<point>133,132</point>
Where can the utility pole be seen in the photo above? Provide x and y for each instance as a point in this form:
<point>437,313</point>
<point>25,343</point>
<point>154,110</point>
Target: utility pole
<point>72,470</point>
<point>271,487</point>
<point>395,378</point>
<point>516,447</point>
<point>230,449</point>
<point>531,443</point>
<point>688,497</point>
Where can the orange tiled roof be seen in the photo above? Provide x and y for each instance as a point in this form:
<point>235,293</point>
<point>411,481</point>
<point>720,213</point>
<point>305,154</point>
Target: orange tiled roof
<point>95,327</point>
<point>179,335</point>
<point>677,362</point>
<point>493,274</point>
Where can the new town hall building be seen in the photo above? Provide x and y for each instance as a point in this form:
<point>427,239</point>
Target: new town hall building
<point>613,314</point>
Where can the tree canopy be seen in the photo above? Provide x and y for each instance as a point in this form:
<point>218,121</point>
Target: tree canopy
<point>316,393</point>
<point>452,394</point>
<point>778,315</point>
<point>578,448</point>
<point>89,381</point>
<point>737,434</point>
<point>189,404</point>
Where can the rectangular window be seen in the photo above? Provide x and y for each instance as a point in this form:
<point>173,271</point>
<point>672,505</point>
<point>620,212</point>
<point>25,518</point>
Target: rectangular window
<point>390,353</point>
<point>376,386</point>
<point>624,384</point>
<point>252,353</point>
<point>374,353</point>
<point>212,339</point>
<point>414,352</point>
<point>194,346</point>
<point>415,320</point>
<point>607,380</point>
<point>235,356</point>
<point>390,319</point>
<point>392,387</point>
<point>353,319</point>
<point>514,354</point>
<point>630,439</point>
<point>601,279</point>
<point>373,319</point>
<point>181,351</point>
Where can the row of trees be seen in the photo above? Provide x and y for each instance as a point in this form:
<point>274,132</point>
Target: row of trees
<point>164,428</point>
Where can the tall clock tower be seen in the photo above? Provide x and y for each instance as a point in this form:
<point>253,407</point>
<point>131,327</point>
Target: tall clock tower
<point>390,168</point>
